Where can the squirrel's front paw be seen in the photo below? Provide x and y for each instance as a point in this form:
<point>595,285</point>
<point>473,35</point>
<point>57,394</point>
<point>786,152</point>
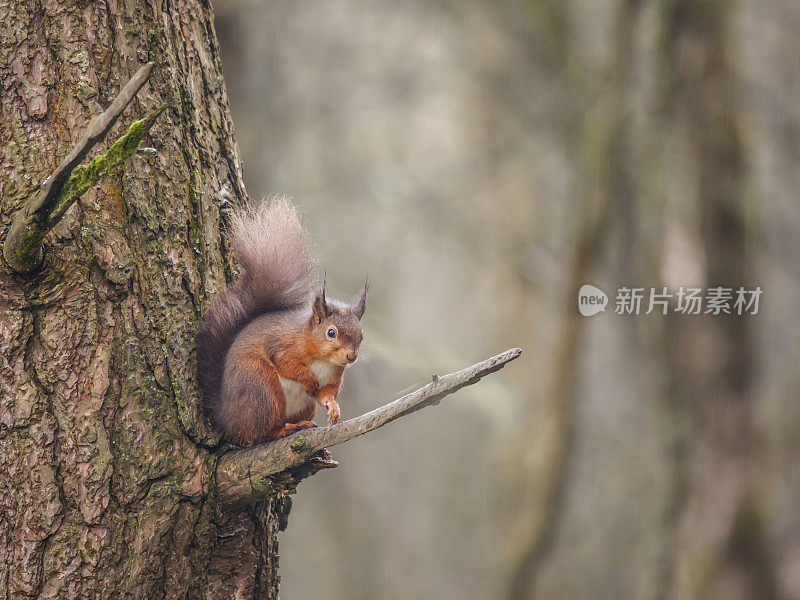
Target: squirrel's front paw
<point>333,411</point>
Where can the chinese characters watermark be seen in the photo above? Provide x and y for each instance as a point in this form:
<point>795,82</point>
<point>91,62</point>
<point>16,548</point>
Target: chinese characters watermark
<point>684,300</point>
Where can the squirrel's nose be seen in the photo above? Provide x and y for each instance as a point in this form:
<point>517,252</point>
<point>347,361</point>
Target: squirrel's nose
<point>352,356</point>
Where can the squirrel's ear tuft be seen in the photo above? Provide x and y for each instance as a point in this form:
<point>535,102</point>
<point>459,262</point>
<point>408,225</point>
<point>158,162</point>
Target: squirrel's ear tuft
<point>360,302</point>
<point>319,310</point>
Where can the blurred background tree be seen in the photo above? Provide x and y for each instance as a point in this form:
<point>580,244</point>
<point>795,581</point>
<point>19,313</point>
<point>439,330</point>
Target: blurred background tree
<point>480,161</point>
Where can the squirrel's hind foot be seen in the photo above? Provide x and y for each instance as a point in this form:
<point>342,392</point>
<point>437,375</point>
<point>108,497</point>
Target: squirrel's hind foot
<point>291,428</point>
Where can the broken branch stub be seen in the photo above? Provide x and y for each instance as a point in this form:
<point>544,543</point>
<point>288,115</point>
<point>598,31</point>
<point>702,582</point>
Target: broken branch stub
<point>22,249</point>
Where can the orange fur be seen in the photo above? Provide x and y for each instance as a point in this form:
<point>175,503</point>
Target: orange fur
<point>331,389</point>
<point>270,330</point>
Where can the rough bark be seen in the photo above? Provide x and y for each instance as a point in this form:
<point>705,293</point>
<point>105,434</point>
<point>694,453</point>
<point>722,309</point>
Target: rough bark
<point>109,466</point>
<point>22,247</point>
<point>103,449</point>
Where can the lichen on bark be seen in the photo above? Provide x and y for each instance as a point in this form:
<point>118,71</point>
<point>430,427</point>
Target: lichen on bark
<point>106,458</point>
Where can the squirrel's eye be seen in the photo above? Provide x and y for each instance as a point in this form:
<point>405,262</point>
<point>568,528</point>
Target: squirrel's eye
<point>332,333</point>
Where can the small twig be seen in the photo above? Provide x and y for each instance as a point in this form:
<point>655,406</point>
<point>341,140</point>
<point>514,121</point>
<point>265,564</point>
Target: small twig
<point>249,475</point>
<point>22,249</point>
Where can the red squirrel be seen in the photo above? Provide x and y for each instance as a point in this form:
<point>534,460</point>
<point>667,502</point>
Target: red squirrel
<point>273,346</point>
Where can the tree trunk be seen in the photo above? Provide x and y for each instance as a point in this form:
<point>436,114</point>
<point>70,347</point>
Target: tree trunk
<point>719,548</point>
<point>106,459</point>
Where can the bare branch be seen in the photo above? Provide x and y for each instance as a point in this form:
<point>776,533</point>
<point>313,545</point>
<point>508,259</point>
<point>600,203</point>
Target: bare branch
<point>248,475</point>
<point>22,249</point>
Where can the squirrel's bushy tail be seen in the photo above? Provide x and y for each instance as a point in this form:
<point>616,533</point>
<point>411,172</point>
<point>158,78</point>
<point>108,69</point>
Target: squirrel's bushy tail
<point>276,263</point>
